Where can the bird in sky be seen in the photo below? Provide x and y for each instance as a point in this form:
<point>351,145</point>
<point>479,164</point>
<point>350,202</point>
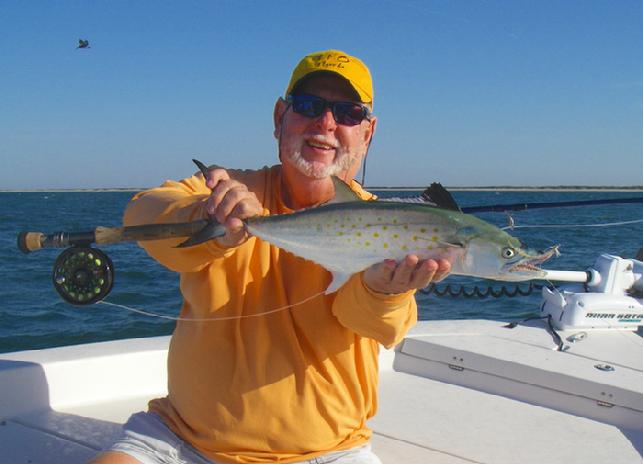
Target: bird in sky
<point>83,44</point>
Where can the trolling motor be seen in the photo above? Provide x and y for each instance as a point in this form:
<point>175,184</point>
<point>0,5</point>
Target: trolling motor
<point>607,296</point>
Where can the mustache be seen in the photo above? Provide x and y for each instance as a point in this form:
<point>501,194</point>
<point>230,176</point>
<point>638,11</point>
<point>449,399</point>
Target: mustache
<point>291,149</point>
<point>325,140</point>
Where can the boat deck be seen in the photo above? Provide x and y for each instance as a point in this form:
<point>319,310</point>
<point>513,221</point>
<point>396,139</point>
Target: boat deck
<point>494,395</point>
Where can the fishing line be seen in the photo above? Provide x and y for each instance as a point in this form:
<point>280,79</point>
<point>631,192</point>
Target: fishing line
<point>209,319</point>
<point>560,226</point>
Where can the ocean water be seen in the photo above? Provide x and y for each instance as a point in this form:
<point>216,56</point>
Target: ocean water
<point>33,316</point>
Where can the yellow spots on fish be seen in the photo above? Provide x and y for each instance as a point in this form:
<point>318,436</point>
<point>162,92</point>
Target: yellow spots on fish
<point>396,236</point>
<point>367,243</point>
<point>340,233</point>
<point>376,235</point>
<point>384,227</point>
<point>368,226</point>
<point>359,219</point>
<point>353,226</point>
<point>434,238</point>
<point>423,230</point>
<point>415,238</point>
<point>394,220</point>
<point>430,247</point>
<point>385,245</point>
<point>406,227</point>
<point>359,234</point>
<point>405,248</point>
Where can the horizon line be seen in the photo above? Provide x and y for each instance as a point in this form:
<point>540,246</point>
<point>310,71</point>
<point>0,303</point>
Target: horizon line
<point>631,188</point>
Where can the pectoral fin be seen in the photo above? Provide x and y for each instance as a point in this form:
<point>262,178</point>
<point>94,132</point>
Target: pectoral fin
<point>445,244</point>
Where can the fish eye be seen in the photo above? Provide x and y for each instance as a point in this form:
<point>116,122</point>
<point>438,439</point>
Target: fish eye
<point>508,253</point>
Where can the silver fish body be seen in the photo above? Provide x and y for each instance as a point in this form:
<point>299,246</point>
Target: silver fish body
<point>346,238</point>
<point>347,235</point>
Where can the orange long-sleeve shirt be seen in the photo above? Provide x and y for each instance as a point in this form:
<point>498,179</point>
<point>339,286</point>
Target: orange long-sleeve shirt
<point>280,387</point>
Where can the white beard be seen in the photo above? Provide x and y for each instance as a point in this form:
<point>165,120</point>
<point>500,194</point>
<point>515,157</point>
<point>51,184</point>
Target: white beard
<point>344,159</point>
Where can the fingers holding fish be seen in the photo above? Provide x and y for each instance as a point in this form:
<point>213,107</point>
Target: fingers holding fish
<point>231,199</point>
<point>390,277</point>
<point>409,274</point>
<point>214,175</point>
<point>230,203</point>
<point>423,273</point>
<point>430,271</point>
<point>413,273</point>
<point>404,273</point>
<point>444,268</point>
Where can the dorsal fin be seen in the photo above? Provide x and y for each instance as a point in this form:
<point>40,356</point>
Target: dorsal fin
<point>343,193</point>
<point>436,193</point>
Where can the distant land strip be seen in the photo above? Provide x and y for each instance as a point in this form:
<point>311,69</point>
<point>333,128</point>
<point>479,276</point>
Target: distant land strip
<point>535,188</point>
<point>489,188</point>
<point>74,190</point>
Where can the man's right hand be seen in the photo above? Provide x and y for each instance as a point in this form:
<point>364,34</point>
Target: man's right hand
<point>229,203</point>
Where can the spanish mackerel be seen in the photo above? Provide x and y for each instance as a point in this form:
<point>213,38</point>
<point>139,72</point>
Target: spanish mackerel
<point>348,234</point>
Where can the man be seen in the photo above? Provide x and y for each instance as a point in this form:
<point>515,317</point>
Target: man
<point>295,385</point>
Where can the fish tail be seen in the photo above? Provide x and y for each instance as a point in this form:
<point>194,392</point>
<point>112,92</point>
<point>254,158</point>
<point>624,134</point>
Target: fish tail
<point>210,231</point>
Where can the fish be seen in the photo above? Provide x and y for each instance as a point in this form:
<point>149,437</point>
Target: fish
<point>347,235</point>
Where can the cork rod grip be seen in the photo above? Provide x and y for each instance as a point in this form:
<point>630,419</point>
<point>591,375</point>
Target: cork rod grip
<point>30,241</point>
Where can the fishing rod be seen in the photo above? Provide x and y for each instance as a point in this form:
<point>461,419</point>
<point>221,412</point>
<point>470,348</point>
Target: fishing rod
<point>501,208</point>
<point>32,241</point>
<point>84,275</point>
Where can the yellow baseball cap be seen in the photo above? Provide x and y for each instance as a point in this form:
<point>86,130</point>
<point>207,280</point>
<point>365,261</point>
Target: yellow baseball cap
<point>350,68</point>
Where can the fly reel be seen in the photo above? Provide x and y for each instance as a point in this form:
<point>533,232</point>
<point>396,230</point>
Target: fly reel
<point>83,275</point>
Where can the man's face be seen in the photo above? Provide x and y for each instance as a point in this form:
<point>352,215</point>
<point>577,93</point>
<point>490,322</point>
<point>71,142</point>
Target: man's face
<point>319,147</point>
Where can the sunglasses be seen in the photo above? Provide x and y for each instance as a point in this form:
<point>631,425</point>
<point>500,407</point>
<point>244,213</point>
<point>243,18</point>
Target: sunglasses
<point>345,113</point>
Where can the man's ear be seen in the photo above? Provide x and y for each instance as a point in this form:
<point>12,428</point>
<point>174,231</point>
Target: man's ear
<point>370,131</point>
<point>281,106</point>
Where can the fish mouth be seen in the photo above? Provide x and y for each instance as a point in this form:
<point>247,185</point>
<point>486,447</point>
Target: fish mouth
<point>529,264</point>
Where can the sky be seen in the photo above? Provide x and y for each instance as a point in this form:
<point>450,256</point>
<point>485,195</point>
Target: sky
<point>467,93</point>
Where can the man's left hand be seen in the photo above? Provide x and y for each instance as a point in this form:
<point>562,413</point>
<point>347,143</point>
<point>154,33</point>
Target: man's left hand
<point>411,273</point>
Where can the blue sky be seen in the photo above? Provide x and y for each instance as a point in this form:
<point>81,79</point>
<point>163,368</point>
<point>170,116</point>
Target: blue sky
<point>467,92</point>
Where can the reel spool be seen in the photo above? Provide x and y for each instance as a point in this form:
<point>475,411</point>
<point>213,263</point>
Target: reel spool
<point>83,275</point>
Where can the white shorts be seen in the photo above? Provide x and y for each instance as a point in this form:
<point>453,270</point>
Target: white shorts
<point>146,438</point>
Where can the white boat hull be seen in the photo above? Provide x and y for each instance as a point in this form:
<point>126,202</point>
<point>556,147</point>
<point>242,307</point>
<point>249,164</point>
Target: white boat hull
<point>452,392</point>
